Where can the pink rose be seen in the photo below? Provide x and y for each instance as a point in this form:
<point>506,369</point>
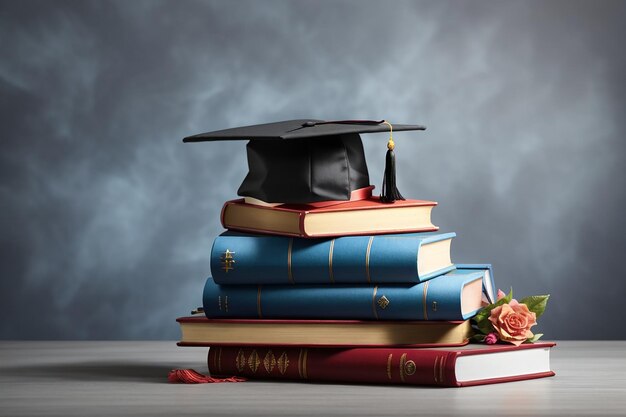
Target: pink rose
<point>491,339</point>
<point>513,321</point>
<point>501,294</point>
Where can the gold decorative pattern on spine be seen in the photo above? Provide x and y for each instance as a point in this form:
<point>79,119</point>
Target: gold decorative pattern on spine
<point>441,367</point>
<point>228,261</point>
<point>402,360</point>
<point>258,302</point>
<point>306,353</point>
<point>302,363</point>
<point>283,363</point>
<point>240,360</point>
<point>214,352</point>
<point>330,261</point>
<point>374,302</point>
<point>389,365</point>
<point>254,361</point>
<point>383,302</point>
<point>409,367</point>
<point>269,362</point>
<point>424,300</point>
<point>367,259</point>
<point>289,250</point>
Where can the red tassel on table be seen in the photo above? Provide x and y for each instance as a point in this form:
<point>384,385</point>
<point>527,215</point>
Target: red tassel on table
<point>189,376</point>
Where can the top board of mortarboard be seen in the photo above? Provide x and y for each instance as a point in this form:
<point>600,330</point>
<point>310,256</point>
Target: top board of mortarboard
<point>304,161</point>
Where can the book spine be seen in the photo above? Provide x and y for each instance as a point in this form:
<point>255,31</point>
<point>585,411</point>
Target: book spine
<point>436,299</point>
<point>243,259</point>
<point>363,365</point>
<point>265,229</point>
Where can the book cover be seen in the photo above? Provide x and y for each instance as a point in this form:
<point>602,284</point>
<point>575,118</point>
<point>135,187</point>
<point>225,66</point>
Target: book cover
<point>489,287</point>
<point>447,297</point>
<point>200,331</point>
<point>362,217</point>
<point>447,367</point>
<point>239,258</point>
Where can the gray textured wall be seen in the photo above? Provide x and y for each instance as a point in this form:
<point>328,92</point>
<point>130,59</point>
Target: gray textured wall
<point>107,218</point>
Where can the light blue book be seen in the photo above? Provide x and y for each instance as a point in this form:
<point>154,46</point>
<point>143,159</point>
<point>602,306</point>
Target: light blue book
<point>454,296</point>
<point>489,287</point>
<point>239,258</point>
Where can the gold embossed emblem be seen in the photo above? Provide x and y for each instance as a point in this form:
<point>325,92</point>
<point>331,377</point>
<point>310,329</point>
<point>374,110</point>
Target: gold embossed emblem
<point>240,360</point>
<point>283,363</point>
<point>228,260</point>
<point>383,302</point>
<point>254,361</point>
<point>269,362</point>
<point>409,367</point>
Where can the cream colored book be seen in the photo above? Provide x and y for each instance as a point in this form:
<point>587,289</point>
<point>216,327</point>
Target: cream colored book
<point>361,217</point>
<point>200,331</point>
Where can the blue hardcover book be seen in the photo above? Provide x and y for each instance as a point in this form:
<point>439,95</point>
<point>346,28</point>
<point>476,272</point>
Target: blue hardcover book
<point>238,258</point>
<point>489,287</point>
<point>449,297</point>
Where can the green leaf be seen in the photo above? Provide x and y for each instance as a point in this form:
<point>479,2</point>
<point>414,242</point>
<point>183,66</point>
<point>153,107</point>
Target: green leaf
<point>483,314</point>
<point>485,326</point>
<point>536,303</point>
<point>478,338</point>
<point>536,337</point>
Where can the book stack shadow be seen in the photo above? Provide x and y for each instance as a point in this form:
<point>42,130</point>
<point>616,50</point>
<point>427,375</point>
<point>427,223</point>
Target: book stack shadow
<point>348,292</point>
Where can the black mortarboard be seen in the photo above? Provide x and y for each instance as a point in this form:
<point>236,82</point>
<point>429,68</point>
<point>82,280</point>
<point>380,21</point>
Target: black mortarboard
<point>308,161</point>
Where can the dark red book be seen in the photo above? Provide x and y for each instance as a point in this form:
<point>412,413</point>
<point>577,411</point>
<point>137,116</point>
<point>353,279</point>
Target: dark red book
<point>360,217</point>
<point>447,367</point>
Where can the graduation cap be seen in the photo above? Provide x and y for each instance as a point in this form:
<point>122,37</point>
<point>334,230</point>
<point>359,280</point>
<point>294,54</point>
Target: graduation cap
<point>310,161</point>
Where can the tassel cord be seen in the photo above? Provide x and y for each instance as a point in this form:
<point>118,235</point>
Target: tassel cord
<point>390,192</point>
<point>190,376</point>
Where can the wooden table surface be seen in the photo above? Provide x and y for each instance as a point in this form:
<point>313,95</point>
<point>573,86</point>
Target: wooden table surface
<point>129,378</point>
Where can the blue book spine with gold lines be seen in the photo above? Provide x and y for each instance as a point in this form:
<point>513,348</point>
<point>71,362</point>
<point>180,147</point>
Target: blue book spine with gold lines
<point>238,258</point>
<point>441,298</point>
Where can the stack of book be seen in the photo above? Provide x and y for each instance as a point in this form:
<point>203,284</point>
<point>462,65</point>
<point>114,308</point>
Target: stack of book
<point>357,291</point>
<point>327,283</point>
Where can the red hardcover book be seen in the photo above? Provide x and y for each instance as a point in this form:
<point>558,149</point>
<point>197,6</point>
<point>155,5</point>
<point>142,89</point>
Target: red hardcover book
<point>448,367</point>
<point>360,217</point>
